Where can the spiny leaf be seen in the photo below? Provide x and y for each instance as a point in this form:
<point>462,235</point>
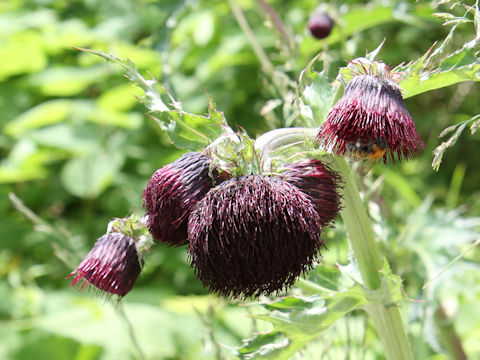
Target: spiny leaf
<point>390,292</point>
<point>186,130</point>
<point>272,345</point>
<point>373,54</point>
<point>297,320</point>
<point>441,66</point>
<point>316,95</point>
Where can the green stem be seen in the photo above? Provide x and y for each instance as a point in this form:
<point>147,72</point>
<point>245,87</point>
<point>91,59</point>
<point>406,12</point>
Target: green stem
<point>389,326</point>
<point>359,229</point>
<point>386,318</point>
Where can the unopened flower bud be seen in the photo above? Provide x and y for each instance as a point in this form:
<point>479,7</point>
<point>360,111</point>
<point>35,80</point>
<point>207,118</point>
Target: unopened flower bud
<point>112,266</point>
<point>320,183</point>
<point>320,25</point>
<point>171,194</point>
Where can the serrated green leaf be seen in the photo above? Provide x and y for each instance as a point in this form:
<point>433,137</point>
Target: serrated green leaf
<point>441,67</point>
<point>330,278</point>
<point>316,95</point>
<point>298,320</point>
<point>264,346</point>
<point>392,285</point>
<point>312,315</point>
<point>186,130</point>
<point>373,54</point>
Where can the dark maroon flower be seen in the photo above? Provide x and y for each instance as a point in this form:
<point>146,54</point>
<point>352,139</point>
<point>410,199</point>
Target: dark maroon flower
<point>371,121</point>
<point>171,194</point>
<point>253,235</point>
<point>112,265</point>
<point>320,183</point>
<point>320,25</point>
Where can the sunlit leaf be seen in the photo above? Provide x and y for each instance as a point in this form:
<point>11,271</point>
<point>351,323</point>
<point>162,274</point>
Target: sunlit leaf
<point>22,53</point>
<point>47,113</point>
<point>441,67</point>
<point>77,139</point>
<point>297,320</point>
<point>186,130</point>
<point>66,81</point>
<point>317,95</point>
<point>26,162</point>
<point>89,176</point>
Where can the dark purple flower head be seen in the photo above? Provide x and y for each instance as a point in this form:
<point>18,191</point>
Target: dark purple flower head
<point>171,194</point>
<point>371,121</point>
<point>253,235</point>
<point>320,183</point>
<point>112,265</point>
<point>320,25</point>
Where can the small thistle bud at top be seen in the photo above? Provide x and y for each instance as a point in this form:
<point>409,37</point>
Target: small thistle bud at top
<point>113,265</point>
<point>320,25</point>
<point>253,235</point>
<point>172,192</point>
<point>371,120</point>
<point>320,183</point>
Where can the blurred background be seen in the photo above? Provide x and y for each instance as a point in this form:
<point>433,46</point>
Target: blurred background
<point>77,149</point>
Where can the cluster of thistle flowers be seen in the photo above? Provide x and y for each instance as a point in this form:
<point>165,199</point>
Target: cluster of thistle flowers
<point>250,234</point>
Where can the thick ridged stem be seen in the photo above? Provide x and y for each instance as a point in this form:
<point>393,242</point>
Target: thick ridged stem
<point>385,317</point>
<point>359,228</point>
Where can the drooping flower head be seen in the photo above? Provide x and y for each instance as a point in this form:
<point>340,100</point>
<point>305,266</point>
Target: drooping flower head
<point>113,265</point>
<point>320,183</point>
<point>371,120</point>
<point>172,192</point>
<point>253,235</point>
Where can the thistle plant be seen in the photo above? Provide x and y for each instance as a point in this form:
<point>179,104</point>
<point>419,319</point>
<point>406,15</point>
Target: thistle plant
<point>252,215</point>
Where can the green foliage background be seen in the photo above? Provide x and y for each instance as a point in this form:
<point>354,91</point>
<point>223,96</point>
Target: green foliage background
<point>77,148</point>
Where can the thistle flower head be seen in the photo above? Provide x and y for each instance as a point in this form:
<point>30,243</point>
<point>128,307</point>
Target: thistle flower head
<point>113,265</point>
<point>319,183</point>
<point>371,120</point>
<point>172,192</point>
<point>253,235</point>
